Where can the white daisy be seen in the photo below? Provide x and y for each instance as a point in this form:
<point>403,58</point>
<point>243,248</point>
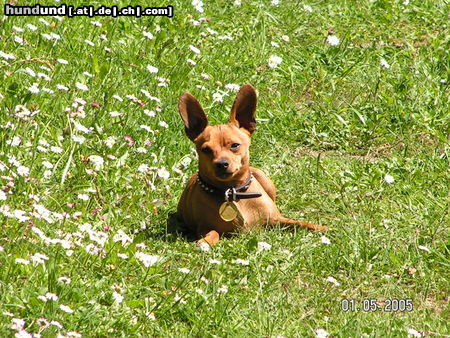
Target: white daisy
<point>65,308</point>
<point>325,240</point>
<point>333,281</point>
<point>194,49</point>
<point>241,261</point>
<point>152,69</point>
<point>217,97</point>
<point>321,333</point>
<point>147,260</point>
<point>333,40</point>
<point>274,61</point>
<point>148,35</point>
<point>163,173</point>
<point>384,64</point>
<point>264,246</point>
<point>389,179</point>
<point>81,86</point>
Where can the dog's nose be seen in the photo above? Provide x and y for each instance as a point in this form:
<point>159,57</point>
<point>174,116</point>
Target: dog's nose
<point>222,164</point>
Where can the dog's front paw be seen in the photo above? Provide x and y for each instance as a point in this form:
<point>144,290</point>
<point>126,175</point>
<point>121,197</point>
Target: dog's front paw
<point>203,245</point>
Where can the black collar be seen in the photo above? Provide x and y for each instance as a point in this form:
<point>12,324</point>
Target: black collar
<point>231,193</point>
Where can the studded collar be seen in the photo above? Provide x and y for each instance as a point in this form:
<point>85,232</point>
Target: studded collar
<point>232,193</point>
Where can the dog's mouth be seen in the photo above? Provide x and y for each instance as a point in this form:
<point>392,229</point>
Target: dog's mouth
<point>224,175</point>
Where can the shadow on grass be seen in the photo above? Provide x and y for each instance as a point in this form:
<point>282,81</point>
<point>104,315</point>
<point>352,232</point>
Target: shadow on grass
<point>176,228</point>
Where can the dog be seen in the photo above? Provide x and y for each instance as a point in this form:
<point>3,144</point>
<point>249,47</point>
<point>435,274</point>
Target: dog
<point>226,194</point>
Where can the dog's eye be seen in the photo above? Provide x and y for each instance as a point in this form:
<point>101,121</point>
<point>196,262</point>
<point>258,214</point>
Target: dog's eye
<point>206,150</point>
<point>235,146</point>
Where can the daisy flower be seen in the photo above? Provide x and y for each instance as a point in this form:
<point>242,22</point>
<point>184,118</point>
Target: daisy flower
<point>333,281</point>
<point>81,86</point>
<point>389,179</point>
<point>64,280</point>
<point>333,40</point>
<point>215,261</point>
<point>384,64</point>
<point>65,308</point>
<point>143,168</point>
<point>78,139</point>
<point>56,150</point>
<point>147,260</point>
<point>97,161</point>
<point>31,27</point>
<point>122,255</point>
<point>274,61</point>
<point>22,261</point>
<point>23,171</point>
<point>217,97</point>
<point>414,333</point>
<point>115,113</point>
<point>152,69</point>
<point>274,44</point>
<point>307,8</point>
<point>149,113</point>
<point>45,22</point>
<point>90,43</point>
<point>325,240</point>
<point>232,87</point>
<point>39,258</point>
<point>62,87</point>
<point>194,49</point>
<point>148,35</point>
<point>163,173</point>
<point>122,237</point>
<point>163,124</point>
<point>34,89</point>
<point>83,197</point>
<point>223,289</point>
<point>14,142</point>
<point>264,246</point>
<point>7,56</point>
<point>241,261</point>
<point>424,248</point>
<point>321,333</point>
<point>198,5</point>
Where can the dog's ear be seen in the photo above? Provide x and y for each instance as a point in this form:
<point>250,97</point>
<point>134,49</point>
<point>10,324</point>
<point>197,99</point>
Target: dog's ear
<point>193,116</point>
<point>243,110</point>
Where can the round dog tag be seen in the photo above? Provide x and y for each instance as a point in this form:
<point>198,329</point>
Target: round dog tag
<point>228,211</point>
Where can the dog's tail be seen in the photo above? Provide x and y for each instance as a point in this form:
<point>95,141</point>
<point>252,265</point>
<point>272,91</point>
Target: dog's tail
<point>292,222</point>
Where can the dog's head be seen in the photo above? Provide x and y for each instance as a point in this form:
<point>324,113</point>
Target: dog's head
<point>222,149</point>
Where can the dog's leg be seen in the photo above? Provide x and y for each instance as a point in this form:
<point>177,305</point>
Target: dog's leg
<point>212,237</point>
<point>265,182</point>
<point>292,222</point>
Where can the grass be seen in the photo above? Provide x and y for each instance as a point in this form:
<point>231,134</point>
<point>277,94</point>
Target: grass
<point>350,143</point>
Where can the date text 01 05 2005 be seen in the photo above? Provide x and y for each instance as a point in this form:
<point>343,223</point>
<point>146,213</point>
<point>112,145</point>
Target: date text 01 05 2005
<point>373,305</point>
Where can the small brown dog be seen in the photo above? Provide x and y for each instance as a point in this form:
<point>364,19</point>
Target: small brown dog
<point>227,194</point>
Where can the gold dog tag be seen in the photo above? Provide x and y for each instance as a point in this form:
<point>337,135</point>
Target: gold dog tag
<point>228,211</point>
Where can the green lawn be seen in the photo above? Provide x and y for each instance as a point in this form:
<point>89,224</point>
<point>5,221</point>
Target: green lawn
<point>353,128</point>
